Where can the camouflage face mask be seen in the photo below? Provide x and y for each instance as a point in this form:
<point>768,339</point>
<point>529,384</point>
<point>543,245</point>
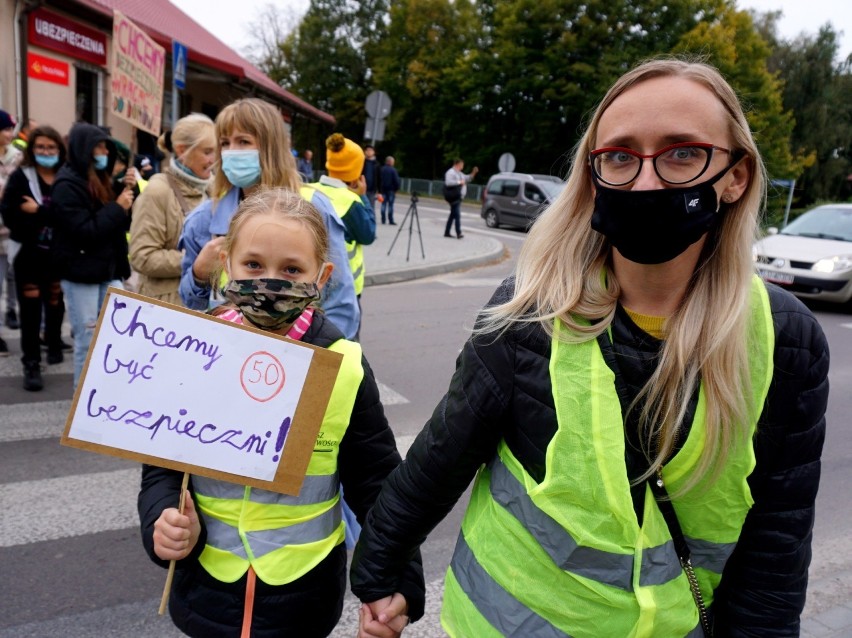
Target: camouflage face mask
<point>271,304</point>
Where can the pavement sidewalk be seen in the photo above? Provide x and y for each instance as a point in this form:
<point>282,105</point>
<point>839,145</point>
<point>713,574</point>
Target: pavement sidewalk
<point>442,254</point>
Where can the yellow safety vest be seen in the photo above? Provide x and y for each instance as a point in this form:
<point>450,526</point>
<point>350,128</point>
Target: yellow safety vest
<point>342,200</point>
<point>567,557</point>
<point>283,537</point>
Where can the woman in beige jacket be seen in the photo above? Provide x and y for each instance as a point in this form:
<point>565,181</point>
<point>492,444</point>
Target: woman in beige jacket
<point>159,212</point>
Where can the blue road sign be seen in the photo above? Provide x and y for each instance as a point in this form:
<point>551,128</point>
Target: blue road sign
<point>179,64</point>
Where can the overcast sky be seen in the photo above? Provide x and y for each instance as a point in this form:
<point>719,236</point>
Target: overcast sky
<point>232,27</point>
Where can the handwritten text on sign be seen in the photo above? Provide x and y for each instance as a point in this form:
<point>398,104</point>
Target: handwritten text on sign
<point>177,386</point>
<point>138,68</point>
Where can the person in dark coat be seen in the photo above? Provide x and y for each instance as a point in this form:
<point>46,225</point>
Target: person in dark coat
<point>90,231</point>
<point>26,209</point>
<point>389,182</point>
<point>643,415</point>
<point>371,175</point>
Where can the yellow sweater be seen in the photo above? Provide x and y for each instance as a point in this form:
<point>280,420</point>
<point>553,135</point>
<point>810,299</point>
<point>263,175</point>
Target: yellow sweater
<point>654,326</point>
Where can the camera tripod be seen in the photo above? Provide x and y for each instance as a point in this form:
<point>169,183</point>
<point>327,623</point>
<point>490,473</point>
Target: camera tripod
<point>411,217</point>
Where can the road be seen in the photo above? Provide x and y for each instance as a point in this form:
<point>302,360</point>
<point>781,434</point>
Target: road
<point>72,562</point>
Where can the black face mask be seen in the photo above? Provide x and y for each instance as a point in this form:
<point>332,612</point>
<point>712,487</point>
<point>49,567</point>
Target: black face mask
<point>652,227</point>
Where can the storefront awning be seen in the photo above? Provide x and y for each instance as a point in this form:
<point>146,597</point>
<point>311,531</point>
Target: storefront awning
<point>164,22</point>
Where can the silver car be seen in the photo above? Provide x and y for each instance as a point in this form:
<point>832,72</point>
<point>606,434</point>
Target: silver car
<point>516,199</point>
<point>812,256</point>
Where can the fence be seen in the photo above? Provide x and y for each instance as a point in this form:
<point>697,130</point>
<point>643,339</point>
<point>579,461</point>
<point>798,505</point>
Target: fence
<point>431,188</point>
<point>434,188</point>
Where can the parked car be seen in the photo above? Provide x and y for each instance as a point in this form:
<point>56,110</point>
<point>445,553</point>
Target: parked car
<point>812,256</point>
<point>516,199</point>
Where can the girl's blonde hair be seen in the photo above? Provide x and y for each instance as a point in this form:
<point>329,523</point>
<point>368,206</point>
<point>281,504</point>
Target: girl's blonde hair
<point>191,131</point>
<point>283,204</point>
<point>265,123</point>
<point>564,271</point>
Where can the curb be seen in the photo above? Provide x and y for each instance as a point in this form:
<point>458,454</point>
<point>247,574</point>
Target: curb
<point>418,272</point>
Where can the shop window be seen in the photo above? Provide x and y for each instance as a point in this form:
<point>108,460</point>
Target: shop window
<point>89,100</point>
<point>210,110</point>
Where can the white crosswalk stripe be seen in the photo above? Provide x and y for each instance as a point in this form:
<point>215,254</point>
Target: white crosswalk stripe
<point>64,506</point>
<point>45,507</point>
<point>389,396</point>
<point>23,421</point>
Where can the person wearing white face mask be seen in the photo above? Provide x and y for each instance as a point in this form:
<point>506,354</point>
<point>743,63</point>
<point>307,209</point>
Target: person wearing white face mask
<point>90,226</point>
<point>254,153</point>
<point>26,209</point>
<point>159,212</point>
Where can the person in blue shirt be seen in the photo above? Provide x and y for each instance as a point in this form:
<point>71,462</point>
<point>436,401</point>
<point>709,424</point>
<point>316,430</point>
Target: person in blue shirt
<point>253,149</point>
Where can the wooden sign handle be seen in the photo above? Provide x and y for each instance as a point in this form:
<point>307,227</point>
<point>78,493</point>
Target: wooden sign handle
<point>164,601</point>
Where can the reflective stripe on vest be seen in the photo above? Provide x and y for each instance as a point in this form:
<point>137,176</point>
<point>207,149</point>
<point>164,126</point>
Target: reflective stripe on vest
<point>557,558</point>
<point>282,536</point>
<point>342,200</point>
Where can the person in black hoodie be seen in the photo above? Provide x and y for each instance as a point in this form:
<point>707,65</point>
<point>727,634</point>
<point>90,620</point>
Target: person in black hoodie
<point>26,209</point>
<point>90,226</point>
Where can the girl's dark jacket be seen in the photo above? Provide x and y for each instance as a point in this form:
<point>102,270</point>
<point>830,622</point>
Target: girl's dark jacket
<point>501,389</point>
<point>89,238</point>
<point>310,606</point>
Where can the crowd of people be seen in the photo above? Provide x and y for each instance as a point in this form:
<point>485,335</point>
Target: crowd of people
<point>642,418</point>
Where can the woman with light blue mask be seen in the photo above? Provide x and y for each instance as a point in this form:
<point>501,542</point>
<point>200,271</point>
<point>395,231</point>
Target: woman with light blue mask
<point>253,150</point>
<point>90,224</point>
<point>25,209</point>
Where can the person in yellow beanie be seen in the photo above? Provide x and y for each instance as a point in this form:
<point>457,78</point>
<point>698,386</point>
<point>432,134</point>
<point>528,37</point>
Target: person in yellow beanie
<point>345,187</point>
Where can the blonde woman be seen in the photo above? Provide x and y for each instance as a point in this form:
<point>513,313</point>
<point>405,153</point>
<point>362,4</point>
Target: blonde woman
<point>643,416</point>
<point>253,151</point>
<point>159,212</point>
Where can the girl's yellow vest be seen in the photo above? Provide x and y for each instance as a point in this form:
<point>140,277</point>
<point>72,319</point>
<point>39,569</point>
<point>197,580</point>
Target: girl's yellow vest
<point>283,537</point>
<point>567,557</point>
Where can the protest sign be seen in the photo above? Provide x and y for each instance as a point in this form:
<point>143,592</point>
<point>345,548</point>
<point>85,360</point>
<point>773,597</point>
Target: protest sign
<point>137,72</point>
<point>171,387</point>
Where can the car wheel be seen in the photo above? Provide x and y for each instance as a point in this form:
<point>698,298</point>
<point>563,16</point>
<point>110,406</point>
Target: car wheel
<point>491,219</point>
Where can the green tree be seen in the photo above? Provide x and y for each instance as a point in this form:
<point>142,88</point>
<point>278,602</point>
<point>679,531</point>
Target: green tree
<point>327,58</point>
<point>479,79</point>
<point>819,91</point>
<point>414,64</point>
<point>733,44</point>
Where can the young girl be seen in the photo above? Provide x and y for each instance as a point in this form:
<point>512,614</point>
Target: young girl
<point>282,571</point>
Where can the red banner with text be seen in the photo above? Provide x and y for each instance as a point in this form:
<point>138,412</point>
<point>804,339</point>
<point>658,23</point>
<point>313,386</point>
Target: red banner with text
<point>40,67</point>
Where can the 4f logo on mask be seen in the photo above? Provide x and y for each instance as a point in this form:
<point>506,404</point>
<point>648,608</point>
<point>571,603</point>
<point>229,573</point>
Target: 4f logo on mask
<point>692,201</point>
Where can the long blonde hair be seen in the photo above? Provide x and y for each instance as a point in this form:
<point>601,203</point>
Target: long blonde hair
<point>564,272</point>
<point>261,119</point>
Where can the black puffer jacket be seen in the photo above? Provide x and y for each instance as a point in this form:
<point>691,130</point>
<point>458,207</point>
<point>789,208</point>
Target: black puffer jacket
<point>89,238</point>
<point>310,606</point>
<point>501,389</point>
